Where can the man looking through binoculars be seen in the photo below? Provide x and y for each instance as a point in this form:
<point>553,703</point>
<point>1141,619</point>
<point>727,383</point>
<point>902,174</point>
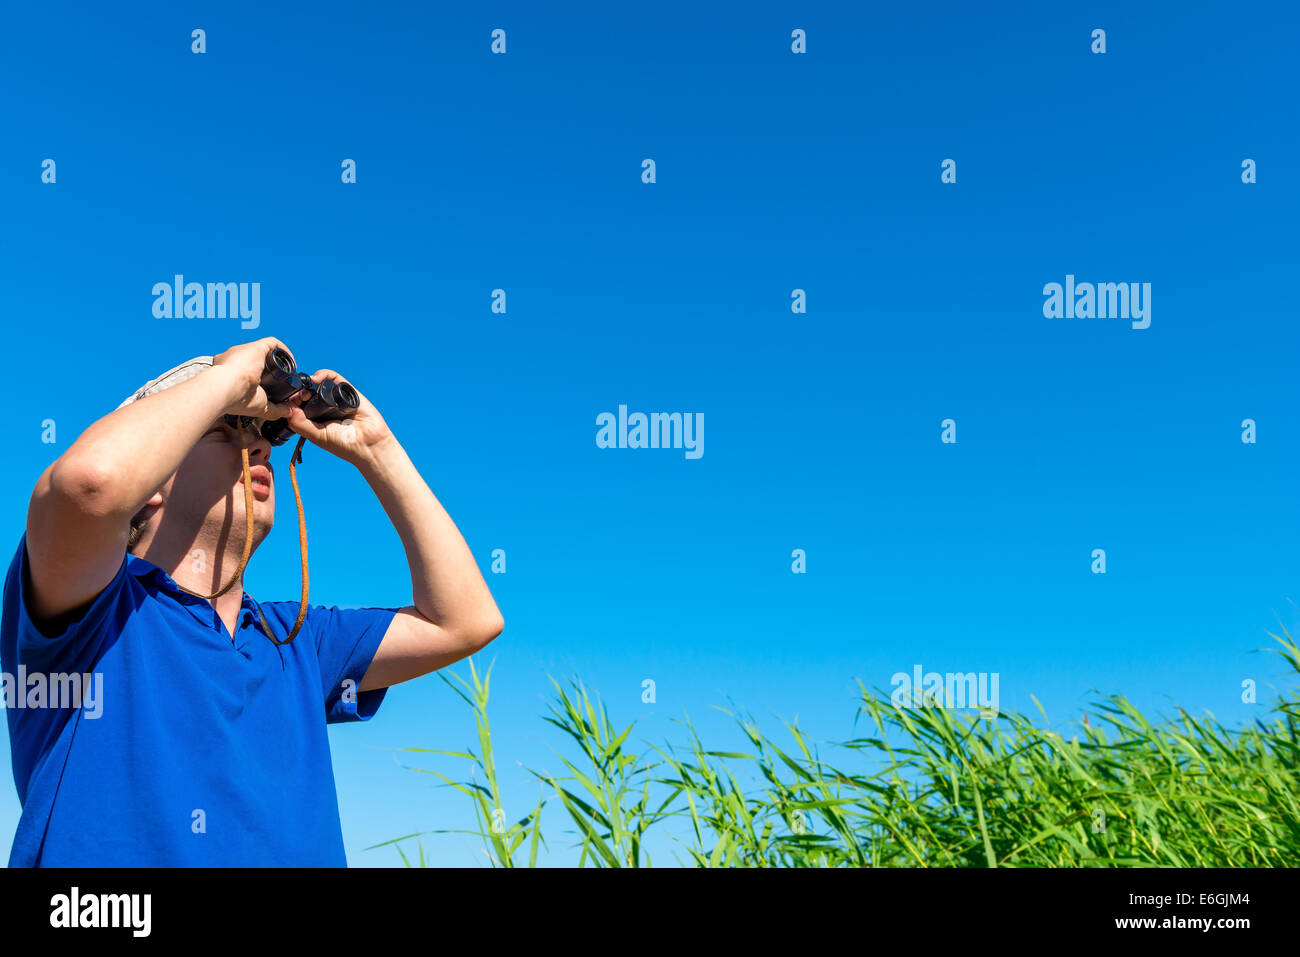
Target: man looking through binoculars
<point>211,747</point>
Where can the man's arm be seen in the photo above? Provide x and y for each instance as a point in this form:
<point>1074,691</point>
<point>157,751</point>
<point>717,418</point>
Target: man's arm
<point>79,516</point>
<point>454,614</point>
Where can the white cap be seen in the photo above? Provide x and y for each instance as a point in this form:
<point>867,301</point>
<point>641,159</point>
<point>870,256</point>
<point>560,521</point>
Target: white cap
<point>173,376</point>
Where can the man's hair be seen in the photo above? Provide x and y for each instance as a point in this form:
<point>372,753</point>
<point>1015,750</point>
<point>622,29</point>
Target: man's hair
<point>138,522</point>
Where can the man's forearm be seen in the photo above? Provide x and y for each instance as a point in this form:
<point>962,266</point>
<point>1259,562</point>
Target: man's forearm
<point>123,458</point>
<point>446,585</point>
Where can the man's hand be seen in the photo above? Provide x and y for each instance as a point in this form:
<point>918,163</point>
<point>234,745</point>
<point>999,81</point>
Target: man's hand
<point>356,439</point>
<point>247,364</point>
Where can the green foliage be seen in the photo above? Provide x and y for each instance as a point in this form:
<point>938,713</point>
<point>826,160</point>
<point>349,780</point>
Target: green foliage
<point>926,787</point>
<point>501,842</point>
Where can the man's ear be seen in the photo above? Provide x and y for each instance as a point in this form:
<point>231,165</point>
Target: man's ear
<point>155,499</point>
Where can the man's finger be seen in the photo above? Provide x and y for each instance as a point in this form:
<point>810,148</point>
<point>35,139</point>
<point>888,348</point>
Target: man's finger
<point>299,422</point>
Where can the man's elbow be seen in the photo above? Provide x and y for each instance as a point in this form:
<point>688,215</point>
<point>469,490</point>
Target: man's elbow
<point>87,487</point>
<point>486,630</point>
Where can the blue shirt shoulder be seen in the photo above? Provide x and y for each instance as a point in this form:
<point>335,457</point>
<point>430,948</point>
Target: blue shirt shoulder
<point>143,734</point>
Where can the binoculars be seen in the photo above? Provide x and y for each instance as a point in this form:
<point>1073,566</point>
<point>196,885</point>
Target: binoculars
<point>324,402</point>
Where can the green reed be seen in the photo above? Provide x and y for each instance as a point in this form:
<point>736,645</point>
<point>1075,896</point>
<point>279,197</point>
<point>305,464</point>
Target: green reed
<point>923,787</point>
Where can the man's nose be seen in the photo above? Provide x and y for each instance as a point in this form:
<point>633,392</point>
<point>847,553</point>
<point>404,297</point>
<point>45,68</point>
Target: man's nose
<point>259,450</point>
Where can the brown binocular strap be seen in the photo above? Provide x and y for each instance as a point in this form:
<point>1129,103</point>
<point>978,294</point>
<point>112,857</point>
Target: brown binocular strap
<point>248,538</point>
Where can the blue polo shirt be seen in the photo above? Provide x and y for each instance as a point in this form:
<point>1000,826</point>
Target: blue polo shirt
<point>179,747</point>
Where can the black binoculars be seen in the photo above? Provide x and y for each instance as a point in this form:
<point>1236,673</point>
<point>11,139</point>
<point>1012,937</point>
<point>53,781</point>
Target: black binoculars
<point>324,402</point>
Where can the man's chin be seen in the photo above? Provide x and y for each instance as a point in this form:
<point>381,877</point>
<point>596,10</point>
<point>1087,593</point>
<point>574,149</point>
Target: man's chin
<point>263,521</point>
<point>261,530</point>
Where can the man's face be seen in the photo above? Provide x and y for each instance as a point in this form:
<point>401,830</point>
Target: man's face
<point>208,488</point>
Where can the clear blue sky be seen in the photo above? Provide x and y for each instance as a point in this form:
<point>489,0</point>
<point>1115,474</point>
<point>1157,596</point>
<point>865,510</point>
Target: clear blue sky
<point>775,171</point>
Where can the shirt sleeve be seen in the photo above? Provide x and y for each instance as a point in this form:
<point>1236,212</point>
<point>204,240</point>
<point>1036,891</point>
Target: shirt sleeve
<point>346,642</point>
<point>73,641</point>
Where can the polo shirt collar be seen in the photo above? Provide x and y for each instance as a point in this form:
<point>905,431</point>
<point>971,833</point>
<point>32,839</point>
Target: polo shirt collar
<point>143,569</point>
